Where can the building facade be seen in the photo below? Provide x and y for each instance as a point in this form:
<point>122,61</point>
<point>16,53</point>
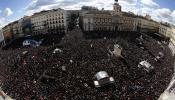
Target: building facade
<point>98,21</point>
<point>165,29</point>
<point>173,31</point>
<point>26,25</point>
<point>103,20</point>
<point>147,25</point>
<point>117,9</point>
<point>49,22</point>
<point>7,32</point>
<point>129,22</point>
<point>2,42</point>
<point>16,29</point>
<point>38,21</point>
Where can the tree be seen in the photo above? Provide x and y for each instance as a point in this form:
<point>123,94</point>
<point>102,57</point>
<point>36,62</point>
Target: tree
<point>72,21</point>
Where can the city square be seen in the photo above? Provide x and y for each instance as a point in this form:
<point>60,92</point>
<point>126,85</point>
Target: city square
<point>87,54</point>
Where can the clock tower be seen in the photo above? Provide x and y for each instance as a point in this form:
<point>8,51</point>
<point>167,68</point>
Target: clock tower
<point>117,8</point>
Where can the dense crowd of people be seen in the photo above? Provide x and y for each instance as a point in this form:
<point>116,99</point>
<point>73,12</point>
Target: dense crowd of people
<point>40,74</point>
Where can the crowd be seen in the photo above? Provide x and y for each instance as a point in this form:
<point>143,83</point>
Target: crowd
<point>40,74</point>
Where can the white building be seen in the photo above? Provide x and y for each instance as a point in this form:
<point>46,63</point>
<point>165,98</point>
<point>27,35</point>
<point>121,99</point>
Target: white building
<point>51,21</point>
<point>129,22</point>
<point>17,29</point>
<point>117,9</point>
<point>98,21</point>
<point>102,20</point>
<point>147,25</point>
<point>173,32</point>
<point>165,29</point>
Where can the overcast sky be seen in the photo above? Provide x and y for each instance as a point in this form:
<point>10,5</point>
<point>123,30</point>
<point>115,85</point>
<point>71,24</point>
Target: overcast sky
<point>160,10</point>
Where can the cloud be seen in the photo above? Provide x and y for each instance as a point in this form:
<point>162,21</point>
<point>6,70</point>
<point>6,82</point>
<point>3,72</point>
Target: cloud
<point>149,3</point>
<point>164,12</point>
<point>3,18</point>
<point>2,22</point>
<point>8,12</point>
<point>39,5</point>
<point>142,7</point>
<point>128,1</point>
<point>159,14</point>
<point>129,5</point>
<point>173,16</point>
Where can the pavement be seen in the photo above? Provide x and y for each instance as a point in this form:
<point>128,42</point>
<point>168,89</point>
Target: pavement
<point>166,95</point>
<point>4,96</point>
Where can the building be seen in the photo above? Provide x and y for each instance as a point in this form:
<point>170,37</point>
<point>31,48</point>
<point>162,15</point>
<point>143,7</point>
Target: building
<point>148,17</point>
<point>49,22</point>
<point>86,9</point>
<point>16,29</point>
<point>98,21</point>
<point>7,32</point>
<point>26,26</point>
<point>103,20</point>
<point>165,29</point>
<point>117,16</point>
<point>147,25</point>
<point>38,21</point>
<point>129,22</point>
<point>2,42</point>
<point>73,19</point>
<point>117,9</point>
<point>173,31</point>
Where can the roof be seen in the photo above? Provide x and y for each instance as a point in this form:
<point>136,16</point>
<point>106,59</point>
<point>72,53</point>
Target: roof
<point>145,63</point>
<point>44,11</point>
<point>128,14</point>
<point>166,24</point>
<point>99,12</point>
<point>142,17</point>
<point>101,75</point>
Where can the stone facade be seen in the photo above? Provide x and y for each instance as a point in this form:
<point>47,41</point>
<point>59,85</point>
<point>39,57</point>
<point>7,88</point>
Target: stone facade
<point>98,21</point>
<point>8,32</point>
<point>48,22</point>
<point>129,22</point>
<point>146,25</point>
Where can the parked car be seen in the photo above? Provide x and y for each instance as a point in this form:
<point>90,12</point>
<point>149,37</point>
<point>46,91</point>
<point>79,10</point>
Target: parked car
<point>146,66</point>
<point>103,79</point>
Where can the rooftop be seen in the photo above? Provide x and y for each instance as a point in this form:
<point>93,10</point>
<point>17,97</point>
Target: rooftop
<point>99,12</point>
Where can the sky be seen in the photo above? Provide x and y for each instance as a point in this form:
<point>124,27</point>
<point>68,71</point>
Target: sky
<point>160,10</point>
